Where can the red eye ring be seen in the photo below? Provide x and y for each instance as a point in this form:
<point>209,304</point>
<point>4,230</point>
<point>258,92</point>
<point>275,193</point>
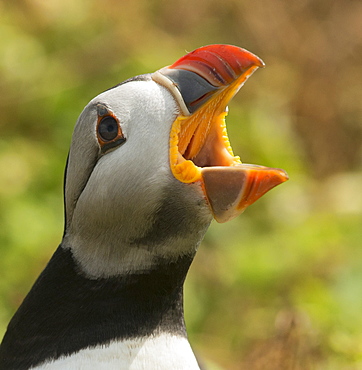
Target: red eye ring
<point>109,132</point>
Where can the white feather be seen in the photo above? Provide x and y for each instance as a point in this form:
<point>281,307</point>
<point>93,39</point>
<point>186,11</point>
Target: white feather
<point>159,352</point>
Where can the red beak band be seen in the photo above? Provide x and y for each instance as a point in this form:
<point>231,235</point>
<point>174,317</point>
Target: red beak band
<point>204,71</point>
<point>220,65</point>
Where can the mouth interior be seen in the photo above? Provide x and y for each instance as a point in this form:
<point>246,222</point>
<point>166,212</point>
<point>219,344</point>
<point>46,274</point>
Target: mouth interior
<point>201,140</point>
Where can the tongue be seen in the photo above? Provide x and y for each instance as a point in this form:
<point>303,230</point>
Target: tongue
<point>231,189</point>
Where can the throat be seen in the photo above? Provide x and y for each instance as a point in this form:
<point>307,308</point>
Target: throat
<point>66,312</point>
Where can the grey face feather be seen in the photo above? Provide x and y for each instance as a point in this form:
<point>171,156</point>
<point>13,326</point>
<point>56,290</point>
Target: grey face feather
<point>125,210</point>
<point>82,158</point>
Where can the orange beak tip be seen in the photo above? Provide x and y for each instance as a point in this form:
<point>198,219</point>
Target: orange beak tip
<point>230,190</point>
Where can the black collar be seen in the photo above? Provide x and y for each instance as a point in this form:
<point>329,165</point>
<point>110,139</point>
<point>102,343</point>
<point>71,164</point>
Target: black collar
<point>65,311</point>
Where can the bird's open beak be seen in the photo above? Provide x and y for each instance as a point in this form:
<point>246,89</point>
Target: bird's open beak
<point>203,82</point>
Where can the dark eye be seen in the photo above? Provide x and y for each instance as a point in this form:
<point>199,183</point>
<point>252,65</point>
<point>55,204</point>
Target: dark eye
<point>108,128</point>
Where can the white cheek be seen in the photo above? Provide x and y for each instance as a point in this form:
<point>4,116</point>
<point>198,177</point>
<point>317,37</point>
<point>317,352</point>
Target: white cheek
<point>125,188</point>
<point>126,183</point>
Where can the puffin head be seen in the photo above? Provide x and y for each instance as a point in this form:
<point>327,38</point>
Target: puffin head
<point>150,165</point>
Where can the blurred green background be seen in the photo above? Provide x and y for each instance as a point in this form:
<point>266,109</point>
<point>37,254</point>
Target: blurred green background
<point>280,287</point>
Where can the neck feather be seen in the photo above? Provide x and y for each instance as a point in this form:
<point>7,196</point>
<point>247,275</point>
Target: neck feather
<point>66,311</point>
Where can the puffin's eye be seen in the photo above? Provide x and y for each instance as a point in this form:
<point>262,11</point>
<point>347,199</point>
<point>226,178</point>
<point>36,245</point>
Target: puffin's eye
<point>108,128</point>
<point>109,132</point>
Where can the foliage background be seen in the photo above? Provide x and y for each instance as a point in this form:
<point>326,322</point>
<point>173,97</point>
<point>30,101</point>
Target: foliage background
<point>282,284</point>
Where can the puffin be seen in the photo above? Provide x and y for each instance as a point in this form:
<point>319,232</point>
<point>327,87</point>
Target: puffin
<point>150,166</point>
